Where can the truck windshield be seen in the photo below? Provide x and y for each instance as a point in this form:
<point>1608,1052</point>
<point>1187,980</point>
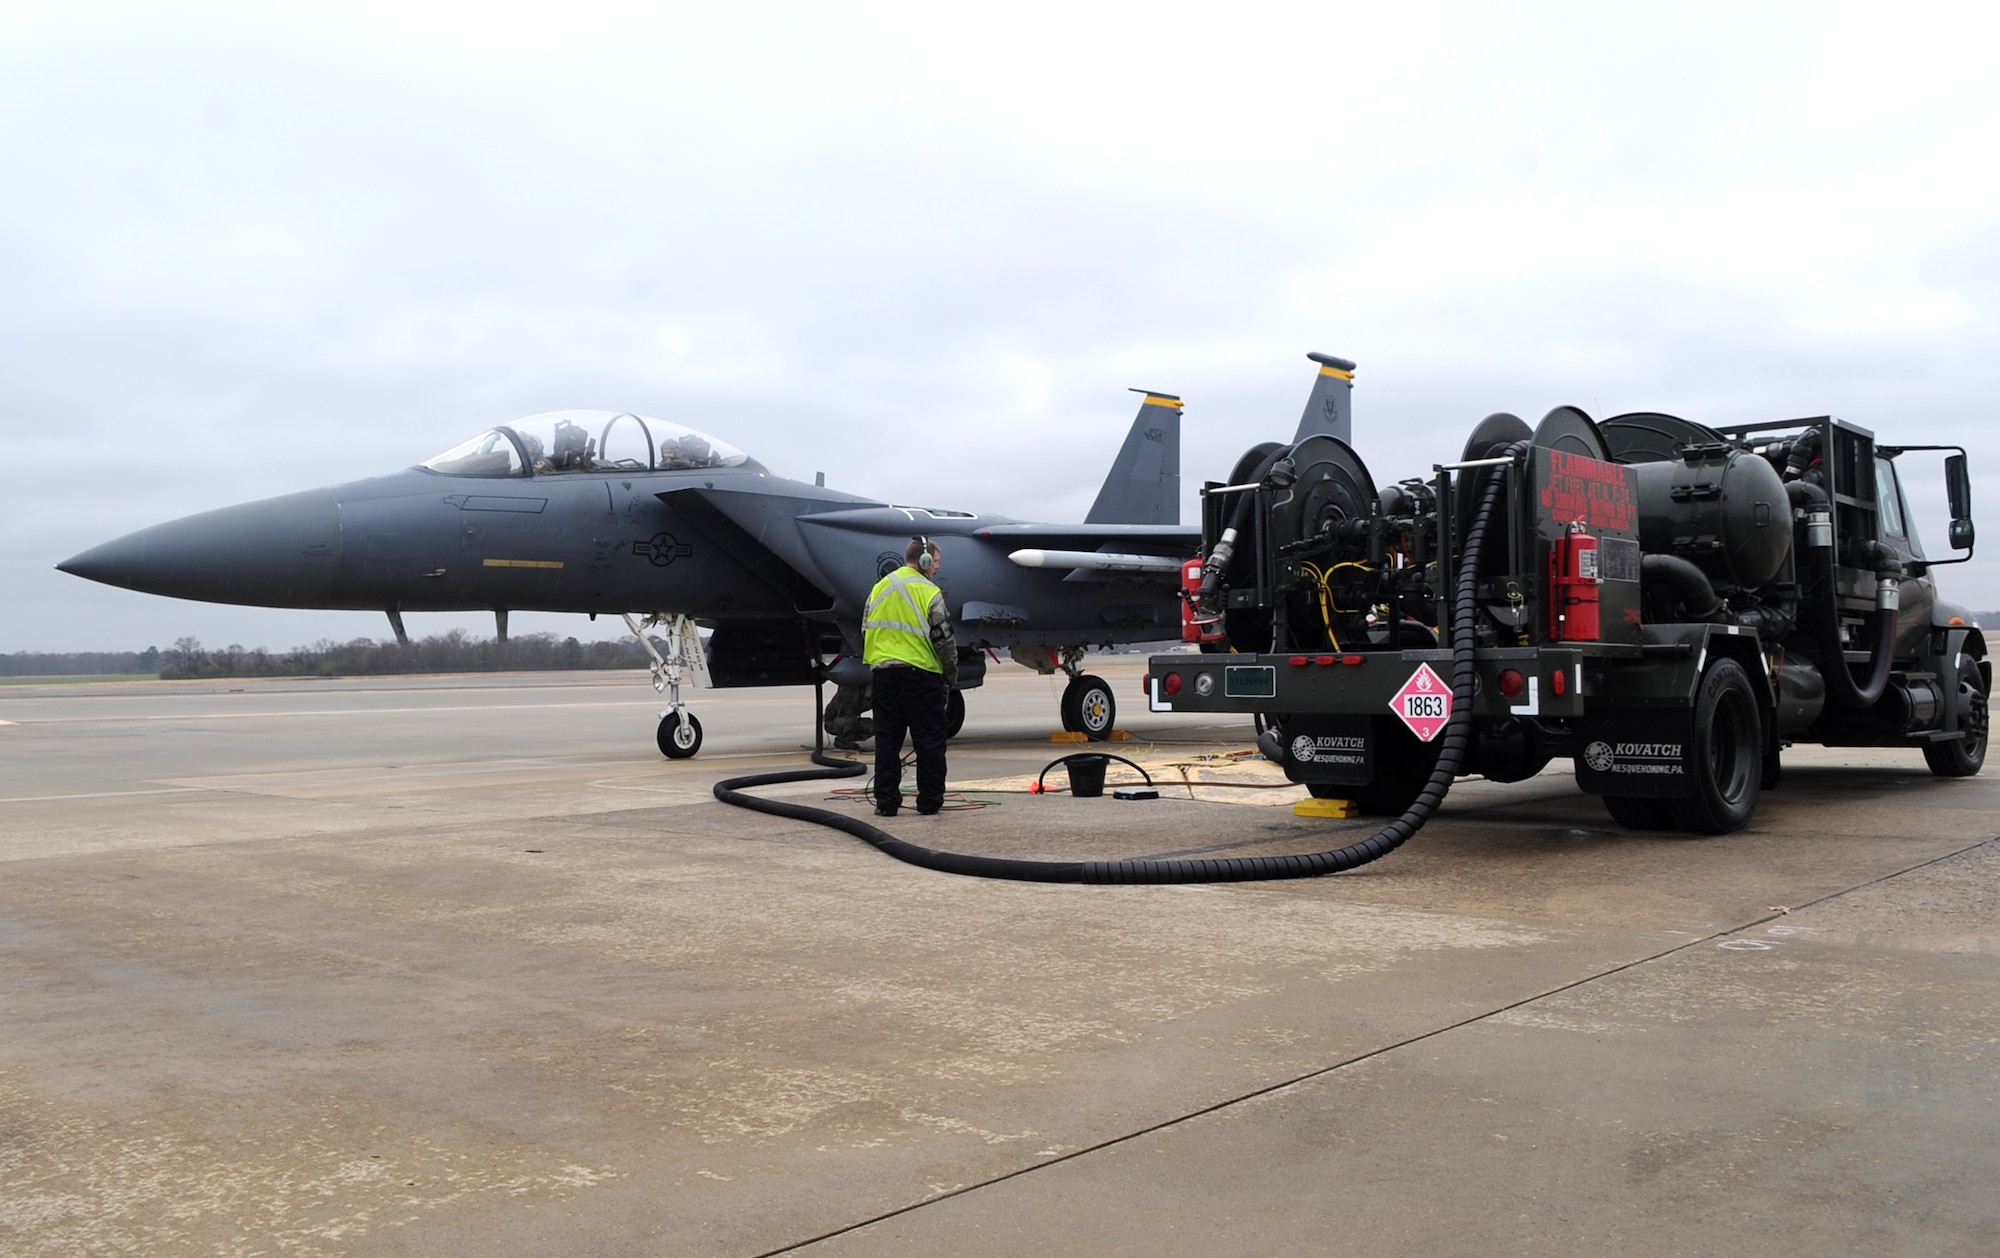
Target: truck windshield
<point>562,442</point>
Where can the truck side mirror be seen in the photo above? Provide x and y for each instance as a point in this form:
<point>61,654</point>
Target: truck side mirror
<point>1958,487</point>
<point>1958,491</point>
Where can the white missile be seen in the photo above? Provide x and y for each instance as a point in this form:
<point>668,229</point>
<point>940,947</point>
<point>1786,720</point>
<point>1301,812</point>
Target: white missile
<point>1095,561</point>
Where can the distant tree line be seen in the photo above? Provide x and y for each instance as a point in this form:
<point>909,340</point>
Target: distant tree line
<point>454,652</point>
<point>71,663</point>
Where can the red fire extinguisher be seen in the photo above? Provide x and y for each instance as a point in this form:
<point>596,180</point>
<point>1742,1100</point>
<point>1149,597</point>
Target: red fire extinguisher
<point>1573,586</point>
<point>1206,628</point>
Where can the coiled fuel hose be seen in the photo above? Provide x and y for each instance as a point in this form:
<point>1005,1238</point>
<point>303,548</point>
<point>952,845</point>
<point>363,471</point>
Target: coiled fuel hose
<point>1457,738</point>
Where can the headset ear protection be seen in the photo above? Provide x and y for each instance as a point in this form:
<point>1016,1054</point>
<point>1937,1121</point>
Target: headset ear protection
<point>928,558</point>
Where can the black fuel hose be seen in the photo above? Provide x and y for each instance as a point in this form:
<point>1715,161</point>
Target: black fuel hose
<point>1809,502</point>
<point>1218,563</point>
<point>1840,684</point>
<point>1691,585</point>
<point>1039,789</point>
<point>1457,738</point>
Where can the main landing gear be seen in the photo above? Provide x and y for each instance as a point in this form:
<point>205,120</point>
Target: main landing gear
<point>1088,706</point>
<point>679,735</point>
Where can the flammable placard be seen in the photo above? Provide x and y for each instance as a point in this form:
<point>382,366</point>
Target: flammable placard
<point>1424,703</point>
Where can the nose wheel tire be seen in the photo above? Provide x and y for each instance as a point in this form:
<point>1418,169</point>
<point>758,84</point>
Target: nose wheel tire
<point>1088,708</point>
<point>954,713</point>
<point>679,739</point>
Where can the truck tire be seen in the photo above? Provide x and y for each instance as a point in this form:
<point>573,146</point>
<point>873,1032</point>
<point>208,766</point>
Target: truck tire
<point>1725,755</point>
<point>1403,764</point>
<point>1639,812</point>
<point>1962,757</point>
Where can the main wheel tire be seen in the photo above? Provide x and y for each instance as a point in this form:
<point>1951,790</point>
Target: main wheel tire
<point>1089,708</point>
<point>679,740</point>
<point>1962,757</point>
<point>1638,812</point>
<point>1726,753</point>
<point>954,712</point>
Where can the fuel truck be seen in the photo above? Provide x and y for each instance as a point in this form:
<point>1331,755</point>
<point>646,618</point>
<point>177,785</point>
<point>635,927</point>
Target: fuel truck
<point>1665,604</point>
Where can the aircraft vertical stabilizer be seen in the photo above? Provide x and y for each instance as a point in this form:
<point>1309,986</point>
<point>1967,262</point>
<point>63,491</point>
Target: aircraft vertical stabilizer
<point>1330,409</point>
<point>1144,486</point>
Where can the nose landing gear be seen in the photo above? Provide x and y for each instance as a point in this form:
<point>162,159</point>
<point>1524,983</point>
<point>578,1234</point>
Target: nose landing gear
<point>679,738</point>
<point>679,734</point>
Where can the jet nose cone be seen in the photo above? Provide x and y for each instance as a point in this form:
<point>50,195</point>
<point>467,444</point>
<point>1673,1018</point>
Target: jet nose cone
<point>280,552</point>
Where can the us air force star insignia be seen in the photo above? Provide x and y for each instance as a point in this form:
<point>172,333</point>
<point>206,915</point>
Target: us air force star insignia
<point>662,549</point>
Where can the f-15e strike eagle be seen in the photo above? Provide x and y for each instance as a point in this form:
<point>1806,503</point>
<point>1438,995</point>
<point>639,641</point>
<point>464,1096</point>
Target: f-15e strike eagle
<point>606,512</point>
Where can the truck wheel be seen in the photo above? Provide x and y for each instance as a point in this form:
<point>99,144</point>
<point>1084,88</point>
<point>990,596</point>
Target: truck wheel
<point>1403,764</point>
<point>1388,797</point>
<point>1089,707</point>
<point>1726,754</point>
<point>1962,757</point>
<point>1638,812</point>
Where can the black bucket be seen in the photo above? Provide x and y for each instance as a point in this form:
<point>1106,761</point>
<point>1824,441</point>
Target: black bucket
<point>1086,775</point>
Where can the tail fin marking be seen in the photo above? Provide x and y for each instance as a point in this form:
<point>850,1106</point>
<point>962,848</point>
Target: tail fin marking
<point>1144,486</point>
<point>1330,409</point>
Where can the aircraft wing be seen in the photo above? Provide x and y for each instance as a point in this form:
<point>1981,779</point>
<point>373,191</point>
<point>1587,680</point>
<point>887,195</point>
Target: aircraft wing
<point>732,529</point>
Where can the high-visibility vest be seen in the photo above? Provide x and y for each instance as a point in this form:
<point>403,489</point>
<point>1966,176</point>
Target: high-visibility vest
<point>896,624</point>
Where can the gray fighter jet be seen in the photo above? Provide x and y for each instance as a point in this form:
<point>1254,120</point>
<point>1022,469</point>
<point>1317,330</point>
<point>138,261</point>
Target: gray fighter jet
<point>614,513</point>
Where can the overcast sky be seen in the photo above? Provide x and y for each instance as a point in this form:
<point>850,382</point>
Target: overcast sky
<point>925,249</point>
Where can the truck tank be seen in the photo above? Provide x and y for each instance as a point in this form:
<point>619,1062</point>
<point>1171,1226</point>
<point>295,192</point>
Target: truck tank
<point>1713,503</point>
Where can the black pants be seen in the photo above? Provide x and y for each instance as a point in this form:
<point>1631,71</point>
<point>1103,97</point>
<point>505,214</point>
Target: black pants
<point>912,699</point>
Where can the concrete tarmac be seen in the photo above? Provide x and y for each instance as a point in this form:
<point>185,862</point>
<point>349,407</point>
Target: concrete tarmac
<point>462,966</point>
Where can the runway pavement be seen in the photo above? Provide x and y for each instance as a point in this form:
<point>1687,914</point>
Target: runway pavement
<point>462,966</point>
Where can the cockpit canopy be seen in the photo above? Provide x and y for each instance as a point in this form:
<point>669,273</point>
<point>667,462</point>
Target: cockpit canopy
<point>561,442</point>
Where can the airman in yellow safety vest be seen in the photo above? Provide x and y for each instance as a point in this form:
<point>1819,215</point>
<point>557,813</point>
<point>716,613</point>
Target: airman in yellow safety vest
<point>907,640</point>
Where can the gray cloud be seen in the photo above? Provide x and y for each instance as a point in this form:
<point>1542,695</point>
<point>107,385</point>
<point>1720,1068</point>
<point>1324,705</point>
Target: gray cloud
<point>250,252</point>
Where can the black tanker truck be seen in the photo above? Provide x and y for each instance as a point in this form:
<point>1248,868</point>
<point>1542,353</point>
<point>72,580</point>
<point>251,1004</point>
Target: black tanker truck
<point>1666,604</point>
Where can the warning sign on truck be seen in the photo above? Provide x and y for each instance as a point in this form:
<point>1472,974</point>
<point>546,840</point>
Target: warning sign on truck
<point>1424,703</point>
<point>1576,487</point>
